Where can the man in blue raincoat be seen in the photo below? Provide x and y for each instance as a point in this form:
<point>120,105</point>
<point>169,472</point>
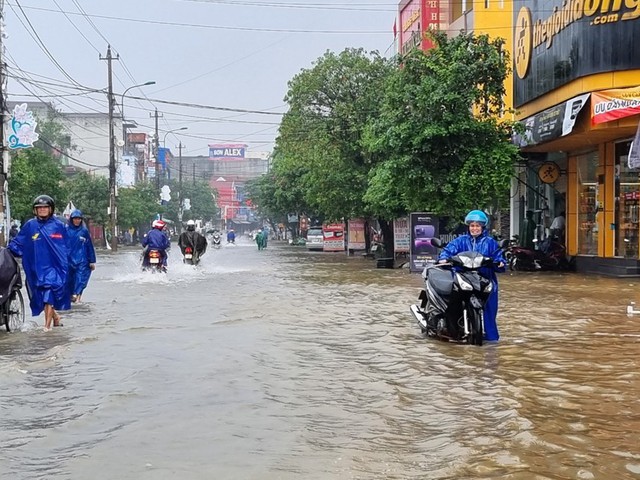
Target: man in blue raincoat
<point>42,244</point>
<point>82,255</point>
<point>155,239</point>
<point>478,240</point>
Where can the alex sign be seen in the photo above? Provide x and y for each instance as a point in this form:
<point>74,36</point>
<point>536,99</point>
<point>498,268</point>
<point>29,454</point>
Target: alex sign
<point>226,151</point>
<point>608,105</point>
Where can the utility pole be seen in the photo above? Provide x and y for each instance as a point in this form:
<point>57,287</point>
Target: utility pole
<point>113,193</point>
<point>194,174</point>
<point>180,200</point>
<point>157,148</point>
<point>4,151</point>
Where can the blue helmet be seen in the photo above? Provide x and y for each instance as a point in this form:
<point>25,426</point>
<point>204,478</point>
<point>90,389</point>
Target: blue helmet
<point>476,216</point>
<point>76,214</point>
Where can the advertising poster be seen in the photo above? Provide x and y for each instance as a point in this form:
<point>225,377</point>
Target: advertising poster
<point>552,123</point>
<point>401,235</point>
<point>333,237</point>
<point>609,105</point>
<point>356,235</point>
<point>423,227</point>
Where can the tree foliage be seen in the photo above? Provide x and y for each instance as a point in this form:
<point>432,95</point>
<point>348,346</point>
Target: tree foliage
<point>138,205</point>
<point>202,198</point>
<point>90,194</point>
<point>446,150</point>
<point>33,173</point>
<point>319,158</point>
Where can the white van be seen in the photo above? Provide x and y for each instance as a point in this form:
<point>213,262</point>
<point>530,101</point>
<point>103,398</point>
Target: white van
<point>315,239</point>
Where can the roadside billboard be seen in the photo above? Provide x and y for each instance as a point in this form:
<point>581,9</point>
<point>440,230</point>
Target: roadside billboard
<point>356,239</point>
<point>424,227</point>
<point>333,237</point>
<point>401,235</point>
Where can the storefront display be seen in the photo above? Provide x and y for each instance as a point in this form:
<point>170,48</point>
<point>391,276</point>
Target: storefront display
<point>628,205</point>
<point>588,205</point>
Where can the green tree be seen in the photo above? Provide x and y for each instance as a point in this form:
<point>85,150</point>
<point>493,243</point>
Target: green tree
<point>321,135</point>
<point>138,206</point>
<point>89,194</point>
<point>445,148</point>
<point>202,198</point>
<point>33,173</point>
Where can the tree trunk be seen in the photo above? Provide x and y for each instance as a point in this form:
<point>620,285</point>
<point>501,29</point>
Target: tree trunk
<point>386,228</point>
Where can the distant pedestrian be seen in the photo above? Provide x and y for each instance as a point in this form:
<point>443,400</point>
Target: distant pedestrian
<point>82,255</point>
<point>259,238</point>
<point>42,244</point>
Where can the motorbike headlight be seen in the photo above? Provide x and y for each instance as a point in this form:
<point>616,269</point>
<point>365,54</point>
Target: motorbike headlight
<point>489,287</point>
<point>464,285</point>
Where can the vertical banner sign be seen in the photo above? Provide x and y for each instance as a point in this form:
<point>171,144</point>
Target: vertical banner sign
<point>424,227</point>
<point>401,235</point>
<point>23,128</point>
<point>356,235</point>
<point>333,237</point>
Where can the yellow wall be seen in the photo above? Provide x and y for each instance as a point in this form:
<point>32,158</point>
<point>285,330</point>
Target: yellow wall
<point>497,22</point>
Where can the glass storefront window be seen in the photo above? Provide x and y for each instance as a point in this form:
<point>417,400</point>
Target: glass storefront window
<point>588,204</point>
<point>627,205</point>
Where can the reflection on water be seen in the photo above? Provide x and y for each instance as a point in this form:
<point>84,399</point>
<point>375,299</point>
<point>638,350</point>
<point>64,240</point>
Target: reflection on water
<point>294,364</point>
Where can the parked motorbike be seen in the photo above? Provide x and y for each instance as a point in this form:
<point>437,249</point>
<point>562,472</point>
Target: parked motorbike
<point>550,256</point>
<point>452,302</point>
<point>152,260</point>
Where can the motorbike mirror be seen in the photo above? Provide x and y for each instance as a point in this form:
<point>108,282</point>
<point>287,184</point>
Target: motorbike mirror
<point>436,242</point>
<point>503,243</point>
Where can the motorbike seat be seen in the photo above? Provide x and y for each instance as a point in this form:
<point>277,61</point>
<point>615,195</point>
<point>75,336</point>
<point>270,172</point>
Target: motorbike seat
<point>441,281</point>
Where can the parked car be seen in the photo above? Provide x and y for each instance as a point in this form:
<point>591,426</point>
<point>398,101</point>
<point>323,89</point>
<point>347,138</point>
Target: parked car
<point>315,239</point>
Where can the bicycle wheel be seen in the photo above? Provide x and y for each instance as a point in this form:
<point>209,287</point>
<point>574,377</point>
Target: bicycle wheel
<point>14,311</point>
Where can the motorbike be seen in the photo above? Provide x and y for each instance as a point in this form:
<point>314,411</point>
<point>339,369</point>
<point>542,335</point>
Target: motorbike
<point>550,256</point>
<point>451,305</point>
<point>216,241</point>
<point>152,261</point>
<point>188,256</point>
<point>11,301</point>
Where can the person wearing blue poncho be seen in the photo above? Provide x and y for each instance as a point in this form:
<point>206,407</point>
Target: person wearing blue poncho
<point>478,240</point>
<point>82,255</point>
<point>42,244</point>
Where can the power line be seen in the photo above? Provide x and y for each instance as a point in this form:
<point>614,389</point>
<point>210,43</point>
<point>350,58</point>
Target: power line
<point>219,27</point>
<point>313,6</point>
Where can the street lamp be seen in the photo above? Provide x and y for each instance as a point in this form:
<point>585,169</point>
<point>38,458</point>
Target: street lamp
<point>164,140</point>
<point>124,127</point>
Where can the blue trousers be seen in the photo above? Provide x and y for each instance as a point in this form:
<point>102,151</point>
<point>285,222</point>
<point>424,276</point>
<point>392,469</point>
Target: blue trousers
<point>490,313</point>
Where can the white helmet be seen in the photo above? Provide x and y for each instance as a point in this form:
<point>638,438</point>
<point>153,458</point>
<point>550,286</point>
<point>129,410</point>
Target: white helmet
<point>191,222</point>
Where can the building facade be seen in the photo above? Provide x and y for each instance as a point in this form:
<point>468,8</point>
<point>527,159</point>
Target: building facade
<point>577,93</point>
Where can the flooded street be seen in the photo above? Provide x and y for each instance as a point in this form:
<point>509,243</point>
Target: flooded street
<point>285,364</point>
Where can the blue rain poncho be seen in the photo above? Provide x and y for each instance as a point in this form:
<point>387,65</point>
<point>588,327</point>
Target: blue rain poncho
<point>81,255</point>
<point>42,244</point>
<point>489,247</point>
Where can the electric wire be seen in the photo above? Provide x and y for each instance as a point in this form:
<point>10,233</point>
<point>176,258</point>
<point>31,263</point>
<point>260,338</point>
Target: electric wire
<point>218,27</point>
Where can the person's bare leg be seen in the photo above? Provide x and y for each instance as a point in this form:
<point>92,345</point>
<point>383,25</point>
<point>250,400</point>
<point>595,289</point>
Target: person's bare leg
<point>48,315</point>
<point>56,319</point>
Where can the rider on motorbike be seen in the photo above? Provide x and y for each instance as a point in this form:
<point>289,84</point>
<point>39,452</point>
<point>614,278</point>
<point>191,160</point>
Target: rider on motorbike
<point>155,239</point>
<point>478,240</point>
<point>192,239</point>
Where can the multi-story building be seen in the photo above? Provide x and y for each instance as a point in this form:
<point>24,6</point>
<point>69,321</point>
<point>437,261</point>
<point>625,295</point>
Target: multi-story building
<point>576,90</point>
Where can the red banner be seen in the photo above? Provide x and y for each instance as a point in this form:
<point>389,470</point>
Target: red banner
<point>609,105</point>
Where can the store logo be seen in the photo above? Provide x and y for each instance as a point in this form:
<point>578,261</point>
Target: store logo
<point>530,35</point>
<point>523,42</point>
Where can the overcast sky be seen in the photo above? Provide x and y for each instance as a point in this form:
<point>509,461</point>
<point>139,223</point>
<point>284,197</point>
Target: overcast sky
<point>236,54</point>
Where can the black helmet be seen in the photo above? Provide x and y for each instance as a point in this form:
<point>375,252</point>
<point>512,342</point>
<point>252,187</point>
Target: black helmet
<point>42,201</point>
